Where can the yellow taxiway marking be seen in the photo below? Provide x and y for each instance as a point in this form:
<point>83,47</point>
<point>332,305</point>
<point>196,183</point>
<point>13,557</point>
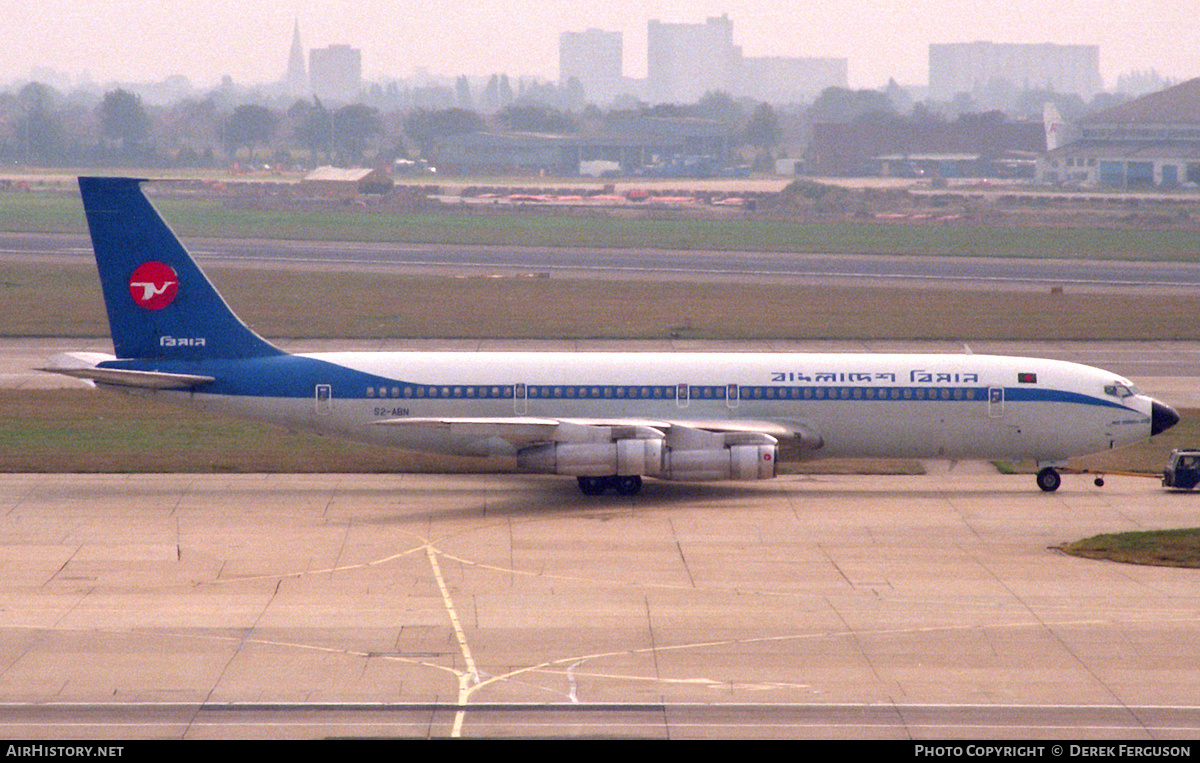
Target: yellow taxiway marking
<point>471,676</point>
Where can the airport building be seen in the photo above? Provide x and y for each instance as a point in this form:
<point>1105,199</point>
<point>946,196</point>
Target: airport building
<point>632,144</point>
<point>347,183</point>
<point>972,67</point>
<point>1150,142</point>
<point>901,148</point>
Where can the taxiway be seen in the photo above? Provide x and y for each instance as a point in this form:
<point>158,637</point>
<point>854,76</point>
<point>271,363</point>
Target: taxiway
<point>193,606</point>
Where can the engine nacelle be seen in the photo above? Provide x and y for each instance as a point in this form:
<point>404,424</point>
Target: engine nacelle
<point>621,458</point>
<point>737,462</point>
<point>649,457</point>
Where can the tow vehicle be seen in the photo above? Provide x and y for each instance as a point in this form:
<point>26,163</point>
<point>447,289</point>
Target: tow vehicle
<point>1183,470</point>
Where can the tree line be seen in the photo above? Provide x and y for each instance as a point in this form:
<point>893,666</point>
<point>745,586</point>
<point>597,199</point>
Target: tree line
<point>41,126</point>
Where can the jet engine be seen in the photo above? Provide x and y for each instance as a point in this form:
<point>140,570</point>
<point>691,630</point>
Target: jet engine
<point>618,458</point>
<point>654,458</point>
<point>737,462</point>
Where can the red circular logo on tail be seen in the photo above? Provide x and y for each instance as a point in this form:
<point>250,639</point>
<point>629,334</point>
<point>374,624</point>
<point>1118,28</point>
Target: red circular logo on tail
<point>153,285</point>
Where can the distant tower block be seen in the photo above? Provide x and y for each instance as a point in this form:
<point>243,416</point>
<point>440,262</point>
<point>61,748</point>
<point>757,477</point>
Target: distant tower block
<point>335,72</point>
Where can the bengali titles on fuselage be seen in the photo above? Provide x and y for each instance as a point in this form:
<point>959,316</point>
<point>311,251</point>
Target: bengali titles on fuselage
<point>914,376</point>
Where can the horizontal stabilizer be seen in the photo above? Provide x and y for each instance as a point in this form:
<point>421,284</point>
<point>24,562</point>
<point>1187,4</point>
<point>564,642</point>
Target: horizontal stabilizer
<point>145,379</point>
<point>83,365</point>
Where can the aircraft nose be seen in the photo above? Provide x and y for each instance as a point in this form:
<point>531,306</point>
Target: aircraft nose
<point>1162,417</point>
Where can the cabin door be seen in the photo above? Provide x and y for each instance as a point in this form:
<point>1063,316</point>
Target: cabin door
<point>323,399</point>
<point>995,402</point>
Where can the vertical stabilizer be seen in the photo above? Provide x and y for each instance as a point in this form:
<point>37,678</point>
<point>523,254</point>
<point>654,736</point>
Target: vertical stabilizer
<point>160,305</point>
<point>1056,128</point>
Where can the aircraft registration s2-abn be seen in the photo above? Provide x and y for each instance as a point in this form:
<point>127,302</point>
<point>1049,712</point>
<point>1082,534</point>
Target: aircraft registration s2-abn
<point>608,419</point>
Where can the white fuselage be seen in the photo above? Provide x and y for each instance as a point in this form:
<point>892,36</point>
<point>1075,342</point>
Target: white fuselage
<point>868,405</point>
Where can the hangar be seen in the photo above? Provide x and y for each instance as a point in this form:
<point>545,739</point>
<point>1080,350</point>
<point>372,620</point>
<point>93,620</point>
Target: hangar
<point>1150,142</point>
<point>631,142</point>
<point>982,146</point>
<point>335,181</point>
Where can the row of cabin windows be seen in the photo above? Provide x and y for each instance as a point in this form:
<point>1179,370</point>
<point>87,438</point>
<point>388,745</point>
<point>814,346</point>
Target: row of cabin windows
<point>686,392</point>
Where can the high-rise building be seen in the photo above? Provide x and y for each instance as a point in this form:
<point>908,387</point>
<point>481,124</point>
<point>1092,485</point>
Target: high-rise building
<point>295,81</point>
<point>335,72</point>
<point>782,80</point>
<point>686,61</point>
<point>972,67</point>
<point>594,59</point>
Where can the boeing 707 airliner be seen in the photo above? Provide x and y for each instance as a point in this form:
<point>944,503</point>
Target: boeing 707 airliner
<point>608,419</point>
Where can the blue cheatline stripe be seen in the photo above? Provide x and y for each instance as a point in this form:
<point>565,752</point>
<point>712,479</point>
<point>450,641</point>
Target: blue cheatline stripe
<point>290,376</point>
<point>1026,394</point>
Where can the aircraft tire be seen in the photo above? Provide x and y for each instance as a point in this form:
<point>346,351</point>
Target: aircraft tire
<point>630,485</point>
<point>592,485</point>
<point>1049,479</point>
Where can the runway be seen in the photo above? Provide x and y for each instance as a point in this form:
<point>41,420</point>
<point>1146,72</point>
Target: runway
<point>296,606</point>
<point>655,263</point>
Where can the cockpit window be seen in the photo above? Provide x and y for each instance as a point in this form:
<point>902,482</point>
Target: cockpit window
<point>1120,390</point>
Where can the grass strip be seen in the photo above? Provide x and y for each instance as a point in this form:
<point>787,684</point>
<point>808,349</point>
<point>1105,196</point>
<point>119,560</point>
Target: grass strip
<point>85,430</point>
<point>1163,548</point>
<point>314,304</point>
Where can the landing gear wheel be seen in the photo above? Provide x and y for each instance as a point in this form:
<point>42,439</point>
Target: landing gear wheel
<point>1048,479</point>
<point>628,485</point>
<point>592,485</point>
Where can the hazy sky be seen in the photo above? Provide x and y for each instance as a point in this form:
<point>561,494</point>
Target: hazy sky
<point>142,40</point>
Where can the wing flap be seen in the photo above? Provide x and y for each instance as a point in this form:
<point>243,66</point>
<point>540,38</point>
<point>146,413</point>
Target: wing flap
<point>515,429</point>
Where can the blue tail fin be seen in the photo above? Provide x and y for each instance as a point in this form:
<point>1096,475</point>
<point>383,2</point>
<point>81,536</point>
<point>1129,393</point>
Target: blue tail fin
<point>160,305</point>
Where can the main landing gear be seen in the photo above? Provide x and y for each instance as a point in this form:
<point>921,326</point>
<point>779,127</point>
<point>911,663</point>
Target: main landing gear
<point>1048,479</point>
<point>627,485</point>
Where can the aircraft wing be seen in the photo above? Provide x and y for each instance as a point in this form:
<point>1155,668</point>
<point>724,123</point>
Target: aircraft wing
<point>525,431</point>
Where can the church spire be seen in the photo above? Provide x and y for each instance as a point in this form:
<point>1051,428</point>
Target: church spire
<point>296,80</point>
